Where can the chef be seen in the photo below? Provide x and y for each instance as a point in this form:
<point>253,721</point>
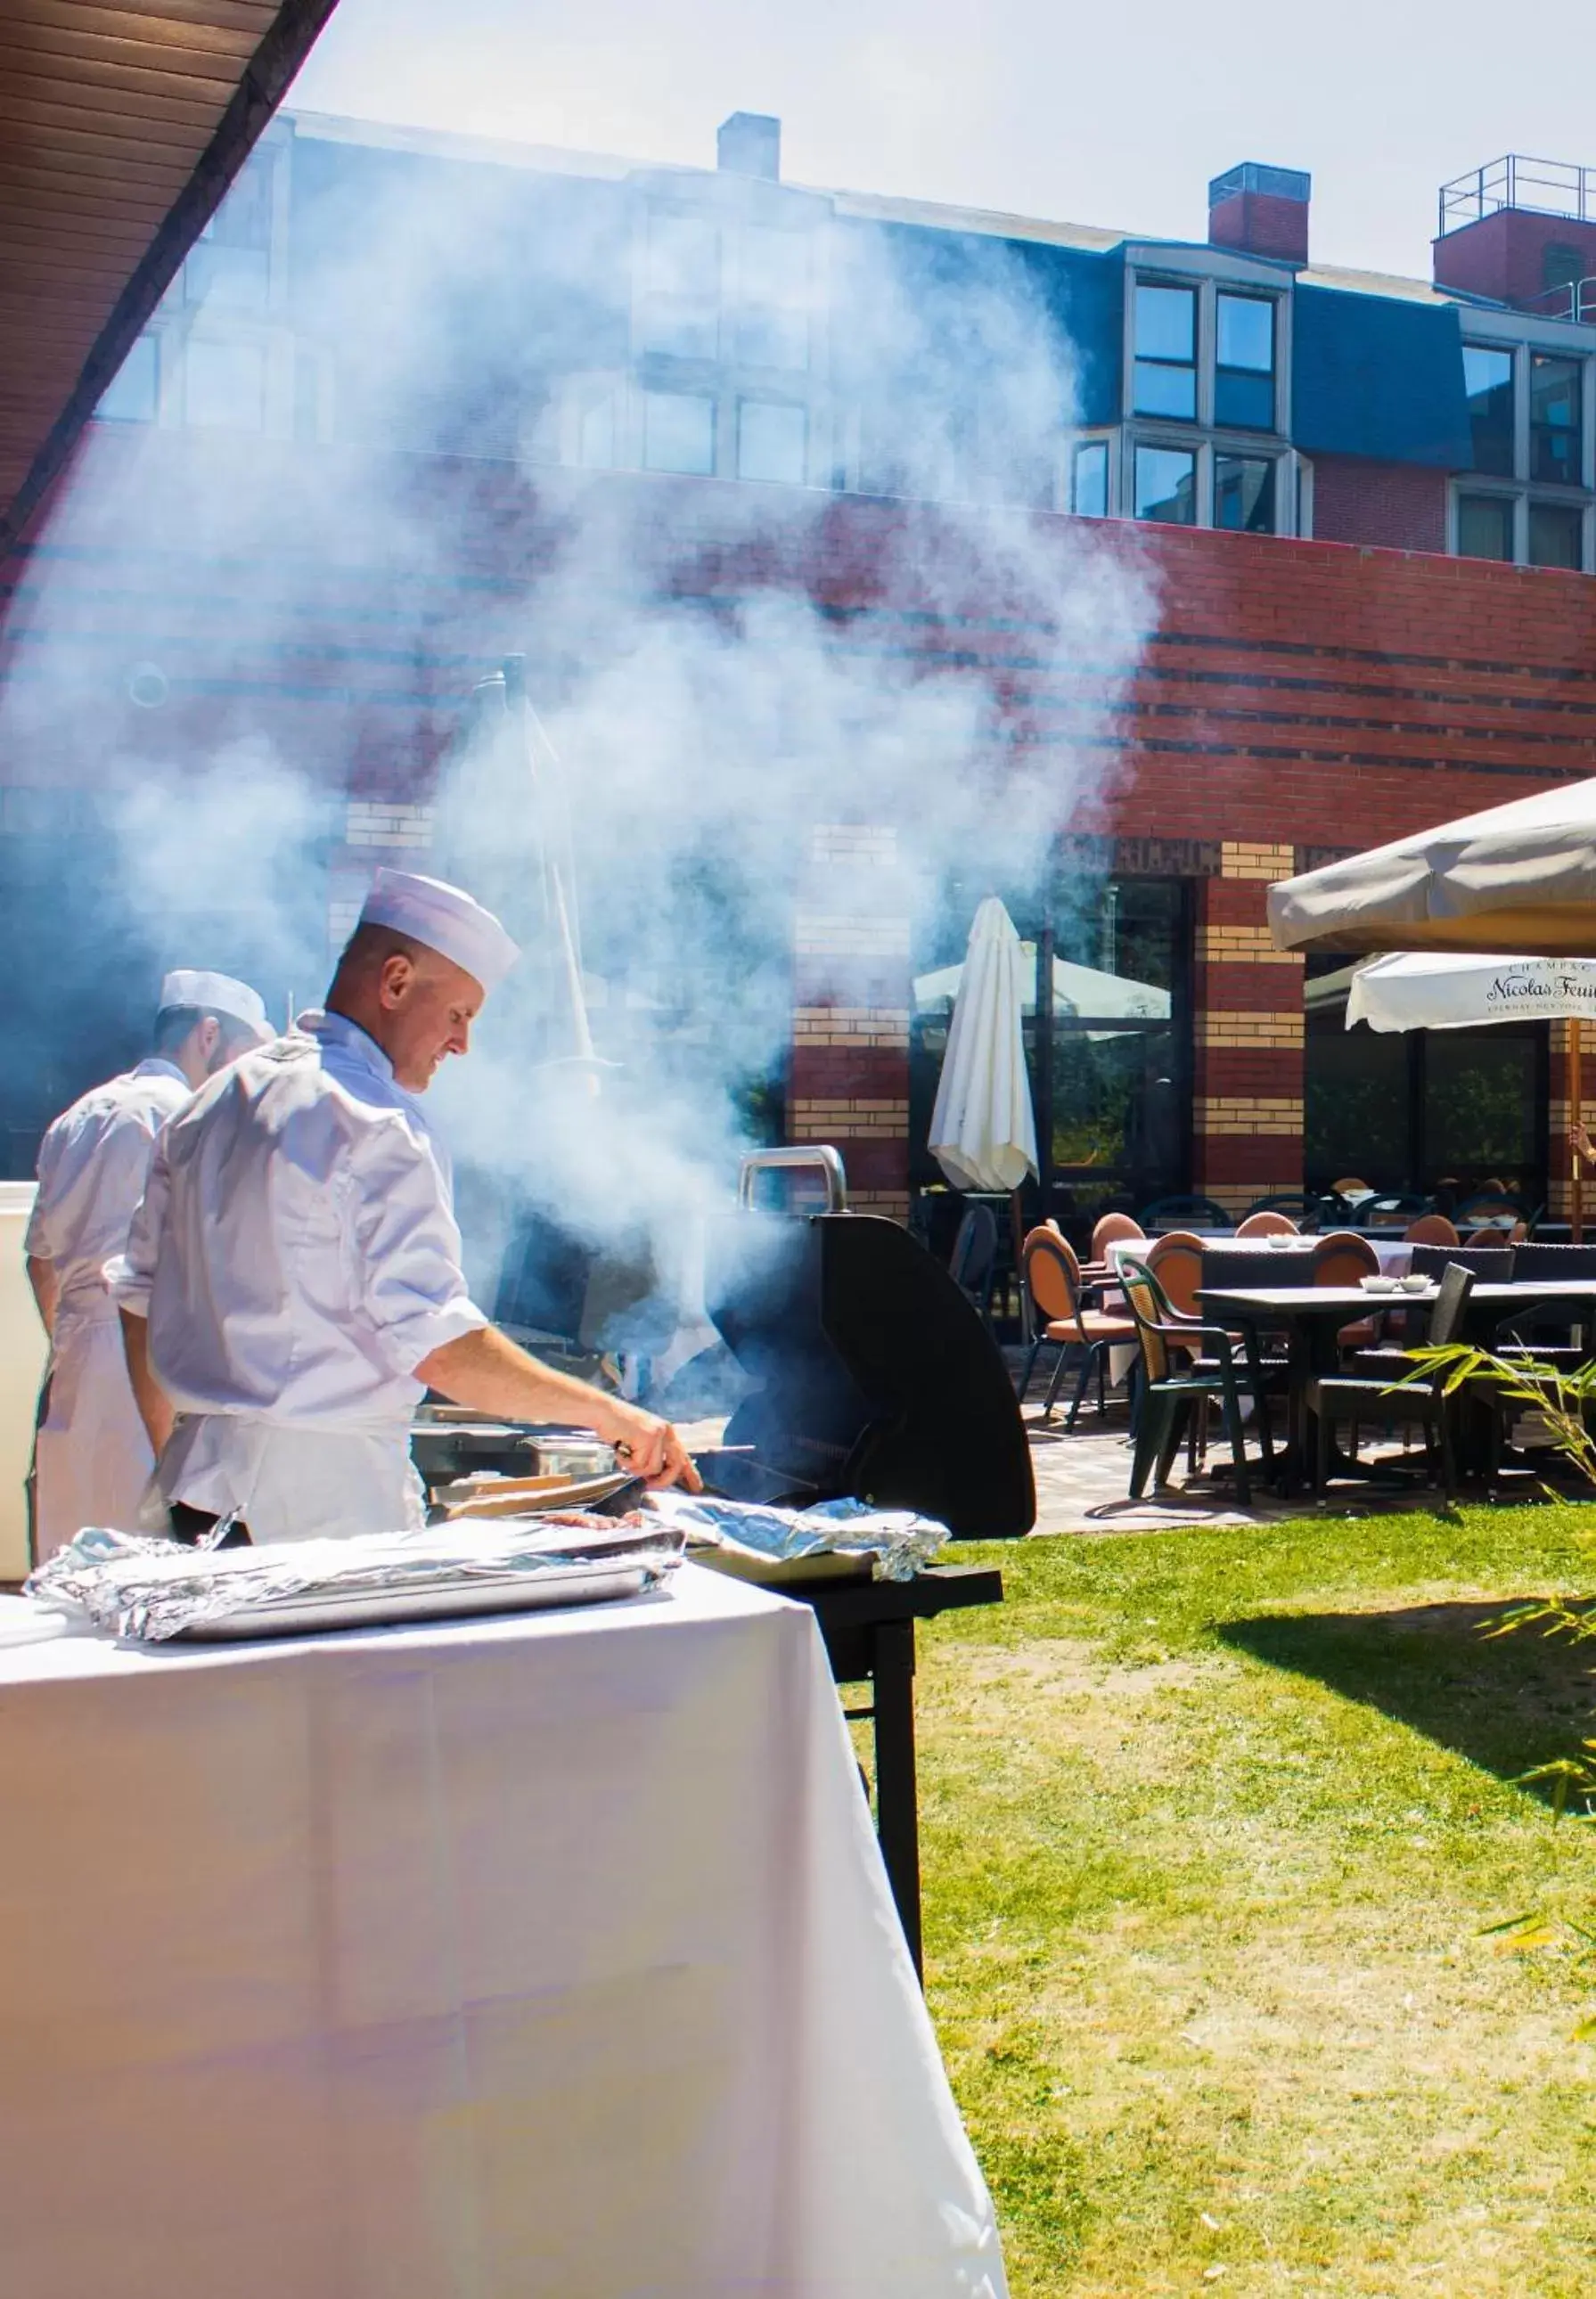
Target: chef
<point>92,1458</point>
<point>292,1279</point>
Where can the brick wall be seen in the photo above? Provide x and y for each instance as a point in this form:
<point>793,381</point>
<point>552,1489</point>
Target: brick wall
<point>1290,696</point>
<point>1395,505</point>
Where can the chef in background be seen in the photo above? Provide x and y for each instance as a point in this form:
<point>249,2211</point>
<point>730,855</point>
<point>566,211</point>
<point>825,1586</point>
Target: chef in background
<point>92,1457</point>
<point>293,1281</point>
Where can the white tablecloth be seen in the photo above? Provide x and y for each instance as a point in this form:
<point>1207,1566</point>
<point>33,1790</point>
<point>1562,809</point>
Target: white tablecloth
<point>1394,1255</point>
<point>540,1957</point>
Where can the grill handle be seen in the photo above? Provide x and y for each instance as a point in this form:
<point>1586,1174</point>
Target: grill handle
<point>817,1156</point>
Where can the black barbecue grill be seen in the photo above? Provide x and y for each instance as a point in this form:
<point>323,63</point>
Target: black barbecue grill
<point>874,1376</point>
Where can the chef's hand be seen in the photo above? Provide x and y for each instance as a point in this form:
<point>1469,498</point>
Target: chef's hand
<point>1579,1140</point>
<point>650,1449</point>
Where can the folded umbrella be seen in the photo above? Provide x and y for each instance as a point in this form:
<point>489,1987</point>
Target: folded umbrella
<point>984,1128</point>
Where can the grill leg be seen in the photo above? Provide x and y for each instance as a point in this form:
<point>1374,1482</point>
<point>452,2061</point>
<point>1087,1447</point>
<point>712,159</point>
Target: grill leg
<point>897,1810</point>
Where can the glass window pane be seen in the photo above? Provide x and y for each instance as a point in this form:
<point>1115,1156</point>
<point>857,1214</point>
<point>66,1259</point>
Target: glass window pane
<point>679,432</point>
<point>224,385</point>
<point>1245,493</point>
<point>681,313</point>
<point>1482,1112</point>
<point>1167,323</point>
<point>1165,391</point>
<point>1247,333</point>
<point>1243,402</point>
<point>1354,1104</point>
<point>1555,419</point>
<point>1488,381</point>
<point>596,439</point>
<point>1485,526</point>
<point>773,320</point>
<point>772,441</point>
<point>1167,484</point>
<point>1555,534</point>
<point>131,396</point>
<point>1089,480</point>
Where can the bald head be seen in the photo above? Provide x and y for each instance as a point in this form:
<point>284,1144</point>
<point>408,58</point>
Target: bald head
<point>417,1004</point>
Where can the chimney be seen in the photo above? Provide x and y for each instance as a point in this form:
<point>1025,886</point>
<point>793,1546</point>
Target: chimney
<point>1260,211</point>
<point>749,144</point>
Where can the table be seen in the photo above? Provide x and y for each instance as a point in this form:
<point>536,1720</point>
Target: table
<point>501,1959</point>
<point>1311,1315</point>
<point>869,1631</point>
<point>1394,1254</point>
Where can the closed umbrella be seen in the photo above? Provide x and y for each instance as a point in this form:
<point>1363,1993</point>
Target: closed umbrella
<point>983,1128</point>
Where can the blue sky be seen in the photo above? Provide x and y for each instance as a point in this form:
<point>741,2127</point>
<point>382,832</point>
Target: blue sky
<point>1110,115</point>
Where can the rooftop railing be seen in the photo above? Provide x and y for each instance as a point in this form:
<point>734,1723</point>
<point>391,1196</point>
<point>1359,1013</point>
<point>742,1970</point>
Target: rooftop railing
<point>1558,188</point>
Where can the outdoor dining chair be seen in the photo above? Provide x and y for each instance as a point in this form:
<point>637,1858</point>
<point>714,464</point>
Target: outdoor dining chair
<point>973,1262</point>
<point>1492,1235</point>
<point>1176,1260</point>
<point>1178,1210</point>
<point>1177,1387</point>
<point>1432,1229</point>
<point>1266,1222</point>
<point>1052,1277</point>
<point>1108,1229</point>
<point>1354,1399</point>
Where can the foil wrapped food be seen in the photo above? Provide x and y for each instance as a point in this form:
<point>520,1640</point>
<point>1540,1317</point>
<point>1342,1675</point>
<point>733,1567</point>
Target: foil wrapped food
<point>153,1589</point>
<point>896,1542</point>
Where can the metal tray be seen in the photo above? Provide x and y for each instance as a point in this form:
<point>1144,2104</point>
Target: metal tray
<point>510,1593</point>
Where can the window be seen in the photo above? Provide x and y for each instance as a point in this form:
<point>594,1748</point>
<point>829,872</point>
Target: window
<point>224,385</point>
<point>1166,366</point>
<point>772,442</point>
<point>1556,534</point>
<point>1244,364</point>
<point>595,434</point>
<point>1488,383</point>
<point>1089,480</point>
<point>681,305</point>
<point>1554,413</point>
<point>679,432</point>
<point>1244,493</point>
<point>774,305</point>
<point>1167,484</point>
<point>132,394</point>
<point>1485,527</point>
<point>230,264</point>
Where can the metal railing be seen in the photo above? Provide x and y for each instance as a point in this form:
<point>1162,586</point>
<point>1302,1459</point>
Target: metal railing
<point>1559,188</point>
<point>1575,301</point>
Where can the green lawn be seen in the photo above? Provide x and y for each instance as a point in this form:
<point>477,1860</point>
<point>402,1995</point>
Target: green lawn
<point>1213,1822</point>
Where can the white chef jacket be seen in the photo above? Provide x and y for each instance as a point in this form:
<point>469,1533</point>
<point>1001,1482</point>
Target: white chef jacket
<point>92,1459</point>
<point>297,1257</point>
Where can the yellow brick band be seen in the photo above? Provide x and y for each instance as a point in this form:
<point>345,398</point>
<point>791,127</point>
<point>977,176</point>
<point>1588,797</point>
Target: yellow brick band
<point>821,936</point>
<point>816,1120</point>
<point>886,1026</point>
<point>1225,945</point>
<point>854,842</point>
<point>1249,1114</point>
<point>1246,857</point>
<point>1220,1028</point>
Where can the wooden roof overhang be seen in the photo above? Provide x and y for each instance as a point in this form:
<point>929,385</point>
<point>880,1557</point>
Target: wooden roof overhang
<point>120,129</point>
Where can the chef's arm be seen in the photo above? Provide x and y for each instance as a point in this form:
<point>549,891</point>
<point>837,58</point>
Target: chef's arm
<point>486,1369</point>
<point>47,1289</point>
<point>155,1407</point>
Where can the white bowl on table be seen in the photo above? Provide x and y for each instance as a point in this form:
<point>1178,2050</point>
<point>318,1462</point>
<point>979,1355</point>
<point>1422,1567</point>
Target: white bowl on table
<point>1379,1283</point>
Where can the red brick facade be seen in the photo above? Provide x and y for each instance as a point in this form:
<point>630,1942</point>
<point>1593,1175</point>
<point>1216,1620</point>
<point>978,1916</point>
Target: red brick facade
<point>1293,698</point>
<point>1398,506</point>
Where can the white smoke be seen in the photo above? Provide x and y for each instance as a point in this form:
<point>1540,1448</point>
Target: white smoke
<point>719,669</point>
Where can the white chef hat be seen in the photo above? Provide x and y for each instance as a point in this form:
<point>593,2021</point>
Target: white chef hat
<point>217,994</point>
<point>446,919</point>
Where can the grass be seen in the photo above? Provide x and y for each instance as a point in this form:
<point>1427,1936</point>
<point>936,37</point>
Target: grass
<point>1213,1823</point>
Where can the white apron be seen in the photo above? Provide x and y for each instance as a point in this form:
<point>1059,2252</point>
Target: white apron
<point>289,1482</point>
<point>92,1459</point>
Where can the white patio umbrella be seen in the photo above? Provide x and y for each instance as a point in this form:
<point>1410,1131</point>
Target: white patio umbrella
<point>1520,879</point>
<point>983,1127</point>
<point>1455,989</point>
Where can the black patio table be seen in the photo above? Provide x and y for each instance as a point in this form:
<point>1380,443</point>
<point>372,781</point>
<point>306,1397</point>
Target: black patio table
<point>1312,1316</point>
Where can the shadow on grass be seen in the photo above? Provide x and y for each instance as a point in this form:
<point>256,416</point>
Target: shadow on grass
<point>1506,1703</point>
